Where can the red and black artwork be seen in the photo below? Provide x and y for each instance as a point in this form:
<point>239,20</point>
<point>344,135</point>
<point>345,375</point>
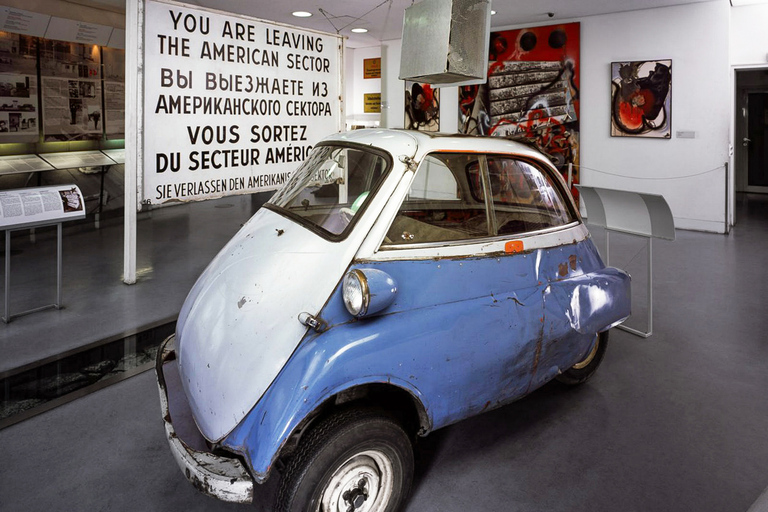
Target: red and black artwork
<point>532,93</point>
<point>641,99</point>
<point>422,107</point>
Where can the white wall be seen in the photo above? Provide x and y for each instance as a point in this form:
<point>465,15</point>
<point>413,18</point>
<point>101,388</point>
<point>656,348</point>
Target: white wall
<point>749,35</point>
<point>357,86</point>
<point>392,89</point>
<point>696,38</point>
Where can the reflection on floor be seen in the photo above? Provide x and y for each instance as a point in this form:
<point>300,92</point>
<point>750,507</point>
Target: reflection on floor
<point>39,387</point>
<point>675,422</point>
<point>107,331</point>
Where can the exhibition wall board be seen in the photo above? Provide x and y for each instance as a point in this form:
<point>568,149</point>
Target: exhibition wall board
<point>232,105</point>
<point>75,101</point>
<point>19,115</point>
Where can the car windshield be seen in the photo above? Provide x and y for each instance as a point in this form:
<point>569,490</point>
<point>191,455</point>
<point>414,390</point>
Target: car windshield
<point>331,187</point>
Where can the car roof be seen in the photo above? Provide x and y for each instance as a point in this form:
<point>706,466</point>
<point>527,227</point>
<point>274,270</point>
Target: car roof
<point>395,142</point>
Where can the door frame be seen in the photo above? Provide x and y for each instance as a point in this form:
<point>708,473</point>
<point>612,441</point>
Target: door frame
<point>736,165</point>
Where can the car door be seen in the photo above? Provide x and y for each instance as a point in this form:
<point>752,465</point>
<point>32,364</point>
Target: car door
<point>528,202</point>
<point>469,305</point>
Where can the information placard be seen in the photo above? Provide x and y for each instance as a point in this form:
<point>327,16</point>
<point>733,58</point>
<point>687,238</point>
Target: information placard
<point>372,103</point>
<point>372,68</point>
<point>24,22</point>
<point>22,164</point>
<point>40,205</point>
<point>75,159</point>
<point>78,31</point>
<point>232,105</point>
<point>117,155</point>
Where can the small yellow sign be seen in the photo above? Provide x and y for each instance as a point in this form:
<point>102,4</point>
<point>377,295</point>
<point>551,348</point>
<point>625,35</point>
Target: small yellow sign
<point>372,68</point>
<point>372,103</point>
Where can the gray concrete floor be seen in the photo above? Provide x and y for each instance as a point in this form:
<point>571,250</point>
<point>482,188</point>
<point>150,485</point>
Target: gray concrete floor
<point>676,422</point>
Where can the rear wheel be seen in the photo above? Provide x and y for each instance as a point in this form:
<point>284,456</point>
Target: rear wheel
<point>583,370</point>
<point>355,460</point>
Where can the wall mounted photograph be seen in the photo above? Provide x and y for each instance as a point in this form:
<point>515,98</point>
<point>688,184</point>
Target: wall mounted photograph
<point>18,88</point>
<point>532,93</point>
<point>641,99</point>
<point>422,107</point>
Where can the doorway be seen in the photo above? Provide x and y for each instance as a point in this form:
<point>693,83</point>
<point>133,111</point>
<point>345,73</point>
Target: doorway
<point>751,151</point>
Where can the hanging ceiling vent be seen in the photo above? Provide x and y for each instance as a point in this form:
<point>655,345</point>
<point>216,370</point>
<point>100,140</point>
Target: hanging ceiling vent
<point>446,42</point>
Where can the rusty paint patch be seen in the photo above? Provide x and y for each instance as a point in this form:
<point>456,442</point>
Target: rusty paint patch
<point>535,366</point>
<point>562,269</point>
<point>573,260</point>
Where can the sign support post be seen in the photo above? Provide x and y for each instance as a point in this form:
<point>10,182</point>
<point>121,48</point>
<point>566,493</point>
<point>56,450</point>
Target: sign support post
<point>134,126</point>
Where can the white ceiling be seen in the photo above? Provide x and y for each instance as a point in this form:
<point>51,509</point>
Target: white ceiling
<point>384,18</point>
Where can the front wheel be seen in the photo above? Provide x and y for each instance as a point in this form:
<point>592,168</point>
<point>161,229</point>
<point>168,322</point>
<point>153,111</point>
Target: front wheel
<point>583,370</point>
<point>355,460</point>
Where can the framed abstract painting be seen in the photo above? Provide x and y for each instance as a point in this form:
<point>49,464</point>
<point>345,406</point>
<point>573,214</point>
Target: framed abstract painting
<point>641,99</point>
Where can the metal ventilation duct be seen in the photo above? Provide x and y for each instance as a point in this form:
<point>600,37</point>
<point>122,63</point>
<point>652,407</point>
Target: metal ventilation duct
<point>445,42</point>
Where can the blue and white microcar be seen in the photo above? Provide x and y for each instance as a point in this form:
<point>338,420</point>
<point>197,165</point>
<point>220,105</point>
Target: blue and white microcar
<point>397,283</point>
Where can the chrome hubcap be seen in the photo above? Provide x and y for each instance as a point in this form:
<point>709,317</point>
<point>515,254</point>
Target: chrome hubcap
<point>363,483</point>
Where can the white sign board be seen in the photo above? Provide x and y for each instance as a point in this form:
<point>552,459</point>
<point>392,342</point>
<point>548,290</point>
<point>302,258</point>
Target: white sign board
<point>232,105</point>
<point>40,205</point>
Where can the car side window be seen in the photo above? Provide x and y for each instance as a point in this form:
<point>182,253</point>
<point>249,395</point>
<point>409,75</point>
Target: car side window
<point>447,200</point>
<point>524,197</point>
<point>439,206</point>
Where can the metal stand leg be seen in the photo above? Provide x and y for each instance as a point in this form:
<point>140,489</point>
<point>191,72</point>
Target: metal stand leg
<point>57,305</point>
<point>101,197</point>
<point>58,266</point>
<point>650,297</point>
<point>7,316</point>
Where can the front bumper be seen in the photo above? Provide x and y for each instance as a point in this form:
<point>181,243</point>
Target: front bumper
<point>223,477</point>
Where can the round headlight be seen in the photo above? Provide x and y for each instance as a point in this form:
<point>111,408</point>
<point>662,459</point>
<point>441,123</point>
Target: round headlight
<point>355,291</point>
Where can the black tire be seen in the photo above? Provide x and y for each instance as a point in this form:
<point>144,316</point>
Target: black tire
<point>353,456</point>
<point>582,371</point>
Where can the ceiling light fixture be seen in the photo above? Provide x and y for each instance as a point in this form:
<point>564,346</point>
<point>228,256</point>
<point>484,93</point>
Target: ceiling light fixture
<point>302,14</point>
<point>741,3</point>
<point>359,30</point>
<point>493,12</point>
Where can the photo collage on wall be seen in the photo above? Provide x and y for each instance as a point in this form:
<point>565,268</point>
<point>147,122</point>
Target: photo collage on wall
<point>72,107</point>
<point>641,99</point>
<point>422,107</point>
<point>19,119</point>
<point>532,93</point>
<point>114,93</point>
